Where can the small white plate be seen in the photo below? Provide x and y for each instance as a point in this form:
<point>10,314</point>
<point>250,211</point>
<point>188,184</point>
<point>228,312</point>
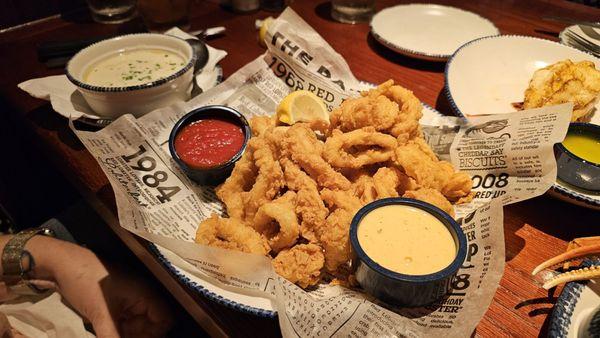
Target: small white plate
<point>427,31</point>
<point>590,33</point>
<point>486,75</point>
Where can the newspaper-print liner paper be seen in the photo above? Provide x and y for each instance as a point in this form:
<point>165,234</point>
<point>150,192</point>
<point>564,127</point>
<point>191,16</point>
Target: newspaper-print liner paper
<point>509,157</point>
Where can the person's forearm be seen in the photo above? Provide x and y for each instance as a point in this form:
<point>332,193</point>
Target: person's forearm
<point>48,254</point>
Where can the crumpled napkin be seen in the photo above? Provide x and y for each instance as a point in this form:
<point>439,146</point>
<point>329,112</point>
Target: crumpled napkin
<point>46,318</point>
<point>59,90</point>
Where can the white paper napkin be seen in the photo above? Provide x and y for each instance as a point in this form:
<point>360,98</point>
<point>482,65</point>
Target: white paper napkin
<point>46,318</point>
<point>210,75</point>
<point>59,90</point>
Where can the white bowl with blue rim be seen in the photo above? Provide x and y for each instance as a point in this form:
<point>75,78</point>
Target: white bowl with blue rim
<point>485,76</point>
<point>114,101</point>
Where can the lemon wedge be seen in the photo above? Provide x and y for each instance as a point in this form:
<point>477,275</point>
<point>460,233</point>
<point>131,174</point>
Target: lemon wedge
<point>262,32</point>
<point>302,106</point>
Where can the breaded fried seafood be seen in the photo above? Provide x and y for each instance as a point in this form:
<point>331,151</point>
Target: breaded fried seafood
<point>293,194</point>
<point>358,148</point>
<point>301,264</point>
<point>278,222</point>
<point>230,233</point>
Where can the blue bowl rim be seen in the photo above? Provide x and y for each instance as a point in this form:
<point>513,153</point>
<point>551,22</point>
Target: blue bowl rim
<point>580,126</point>
<point>433,210</point>
<point>193,116</point>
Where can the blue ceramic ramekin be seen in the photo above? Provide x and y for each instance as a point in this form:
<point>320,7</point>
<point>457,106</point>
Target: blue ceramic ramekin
<point>213,175</point>
<point>400,289</point>
<point>572,168</point>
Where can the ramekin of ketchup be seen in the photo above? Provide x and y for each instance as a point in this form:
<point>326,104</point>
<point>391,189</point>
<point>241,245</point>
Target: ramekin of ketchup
<point>207,142</point>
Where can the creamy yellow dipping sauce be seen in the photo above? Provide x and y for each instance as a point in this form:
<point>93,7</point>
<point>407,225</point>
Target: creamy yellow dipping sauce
<point>406,240</point>
<point>133,67</point>
<point>583,145</point>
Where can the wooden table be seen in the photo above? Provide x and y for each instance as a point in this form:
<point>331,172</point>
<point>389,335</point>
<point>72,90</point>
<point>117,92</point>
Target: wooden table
<point>534,230</point>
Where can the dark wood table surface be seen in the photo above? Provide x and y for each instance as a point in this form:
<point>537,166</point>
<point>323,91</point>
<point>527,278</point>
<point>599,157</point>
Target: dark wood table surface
<point>534,230</point>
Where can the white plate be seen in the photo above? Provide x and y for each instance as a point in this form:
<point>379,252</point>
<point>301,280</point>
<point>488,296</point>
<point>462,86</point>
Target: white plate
<point>590,33</point>
<point>427,31</point>
<point>486,75</point>
<point>259,306</point>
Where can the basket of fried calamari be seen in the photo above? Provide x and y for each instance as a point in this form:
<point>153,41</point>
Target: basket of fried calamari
<point>295,190</point>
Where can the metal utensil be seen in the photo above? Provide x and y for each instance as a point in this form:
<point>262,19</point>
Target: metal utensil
<point>199,46</point>
<point>98,123</point>
<point>208,32</point>
<point>201,52</point>
<point>572,21</point>
<point>582,43</point>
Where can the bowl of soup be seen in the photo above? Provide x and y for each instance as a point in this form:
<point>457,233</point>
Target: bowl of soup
<point>408,251</point>
<point>133,74</point>
<point>578,156</point>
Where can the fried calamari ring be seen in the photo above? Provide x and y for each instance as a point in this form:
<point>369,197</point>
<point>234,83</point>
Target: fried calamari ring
<point>407,113</point>
<point>280,211</point>
<point>339,199</point>
<point>232,234</point>
<point>391,182</point>
<point>415,159</point>
<point>358,148</point>
<point>241,179</point>
<point>458,187</point>
<point>335,239</point>
<point>269,180</point>
<point>309,206</point>
<point>302,146</point>
<point>376,111</point>
<point>261,124</point>
<point>301,264</point>
<point>411,110</point>
<point>364,188</point>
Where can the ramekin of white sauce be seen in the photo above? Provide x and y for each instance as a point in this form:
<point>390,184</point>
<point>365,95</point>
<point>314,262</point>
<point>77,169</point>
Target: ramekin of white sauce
<point>408,250</point>
<point>134,73</point>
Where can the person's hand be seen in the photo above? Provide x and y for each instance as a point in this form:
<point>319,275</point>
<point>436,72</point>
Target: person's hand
<point>117,305</point>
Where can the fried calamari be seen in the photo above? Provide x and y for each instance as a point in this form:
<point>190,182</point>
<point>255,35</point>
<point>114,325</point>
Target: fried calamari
<point>301,264</point>
<point>230,233</point>
<point>389,109</point>
<point>302,146</point>
<point>294,193</point>
<point>277,221</point>
<point>358,148</point>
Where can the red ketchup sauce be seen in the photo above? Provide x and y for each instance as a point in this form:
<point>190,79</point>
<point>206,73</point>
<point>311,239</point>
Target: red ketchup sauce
<point>208,143</point>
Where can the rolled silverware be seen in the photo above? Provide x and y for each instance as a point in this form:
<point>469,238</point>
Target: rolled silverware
<point>572,21</point>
